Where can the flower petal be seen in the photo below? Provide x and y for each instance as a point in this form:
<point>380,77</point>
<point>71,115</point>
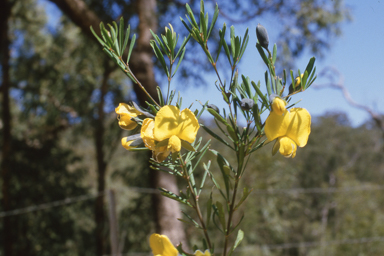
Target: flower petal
<point>200,253</point>
<point>188,126</point>
<point>126,144</point>
<point>299,126</point>
<point>174,144</point>
<point>125,113</point>
<point>278,106</point>
<point>147,133</point>
<point>287,147</point>
<point>166,122</point>
<point>276,125</point>
<point>161,245</point>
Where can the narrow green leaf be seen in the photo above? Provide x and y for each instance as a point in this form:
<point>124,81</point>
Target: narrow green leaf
<point>186,26</point>
<point>157,39</point>
<point>133,40</point>
<point>126,37</point>
<point>187,146</point>
<point>244,45</point>
<point>178,63</point>
<point>214,19</point>
<point>245,195</point>
<point>247,85</point>
<point>160,95</point>
<point>262,54</point>
<point>203,26</point>
<point>210,132</point>
<point>97,37</point>
<point>274,54</point>
<point>268,83</point>
<point>224,43</point>
<point>310,65</point>
<point>239,238</point>
<point>159,56</point>
<point>209,209</point>
<point>261,95</point>
<point>221,215</point>
<point>182,47</point>
<point>192,221</point>
<point>121,34</point>
<point>175,197</point>
<point>217,116</point>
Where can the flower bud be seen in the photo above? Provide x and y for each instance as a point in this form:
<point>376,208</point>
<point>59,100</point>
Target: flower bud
<point>297,83</point>
<point>262,36</point>
<point>247,104</point>
<point>278,104</point>
<point>214,107</point>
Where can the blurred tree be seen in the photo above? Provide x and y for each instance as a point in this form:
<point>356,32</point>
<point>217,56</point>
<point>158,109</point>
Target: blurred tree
<point>5,16</point>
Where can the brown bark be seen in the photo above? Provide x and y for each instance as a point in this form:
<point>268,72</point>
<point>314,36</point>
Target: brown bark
<point>141,63</point>
<point>101,166</point>
<point>5,12</point>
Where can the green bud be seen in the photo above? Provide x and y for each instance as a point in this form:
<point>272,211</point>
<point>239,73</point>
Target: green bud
<point>262,36</point>
<point>214,107</point>
<point>247,104</point>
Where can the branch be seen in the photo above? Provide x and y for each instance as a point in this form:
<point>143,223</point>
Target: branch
<point>331,73</point>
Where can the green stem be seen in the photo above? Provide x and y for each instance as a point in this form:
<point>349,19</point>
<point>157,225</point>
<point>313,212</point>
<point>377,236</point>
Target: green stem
<point>196,202</point>
<point>231,211</point>
<point>138,82</point>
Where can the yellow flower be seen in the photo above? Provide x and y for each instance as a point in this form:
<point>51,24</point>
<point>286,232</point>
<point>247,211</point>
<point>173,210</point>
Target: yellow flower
<point>174,125</point>
<point>125,113</point>
<point>126,144</point>
<point>159,154</point>
<point>200,253</point>
<point>278,105</point>
<point>290,130</point>
<point>162,246</point>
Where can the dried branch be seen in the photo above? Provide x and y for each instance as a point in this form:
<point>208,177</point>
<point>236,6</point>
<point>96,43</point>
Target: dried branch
<point>332,74</point>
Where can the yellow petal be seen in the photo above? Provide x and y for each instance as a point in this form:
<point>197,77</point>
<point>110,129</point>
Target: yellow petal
<point>174,144</point>
<point>287,147</point>
<point>126,123</point>
<point>170,121</point>
<point>276,125</point>
<point>298,80</point>
<point>125,113</point>
<point>166,123</point>
<point>188,126</point>
<point>161,245</point>
<point>278,106</point>
<point>126,144</point>
<point>147,133</point>
<point>299,126</point>
<point>200,253</point>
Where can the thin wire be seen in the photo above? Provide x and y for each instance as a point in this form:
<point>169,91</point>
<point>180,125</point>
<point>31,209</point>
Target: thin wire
<point>361,240</point>
<point>314,244</point>
<point>33,208</point>
<point>317,190</point>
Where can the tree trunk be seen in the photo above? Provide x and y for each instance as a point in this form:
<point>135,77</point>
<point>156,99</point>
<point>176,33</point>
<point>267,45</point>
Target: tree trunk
<point>101,166</point>
<point>5,12</point>
<point>141,64</point>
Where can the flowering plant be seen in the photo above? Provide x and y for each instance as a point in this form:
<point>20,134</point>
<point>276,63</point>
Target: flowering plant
<point>171,133</point>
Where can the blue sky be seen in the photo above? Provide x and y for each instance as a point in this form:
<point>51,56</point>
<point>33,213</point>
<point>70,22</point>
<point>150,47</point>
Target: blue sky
<point>357,54</point>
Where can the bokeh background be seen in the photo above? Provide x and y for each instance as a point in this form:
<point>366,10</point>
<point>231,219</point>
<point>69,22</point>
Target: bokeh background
<point>67,184</point>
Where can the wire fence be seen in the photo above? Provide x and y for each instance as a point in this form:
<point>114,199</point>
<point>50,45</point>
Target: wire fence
<point>291,191</point>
